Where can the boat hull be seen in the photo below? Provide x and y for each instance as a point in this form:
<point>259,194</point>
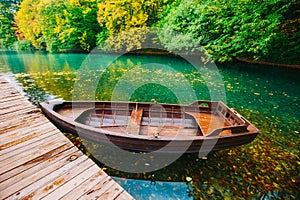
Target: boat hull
<point>144,143</point>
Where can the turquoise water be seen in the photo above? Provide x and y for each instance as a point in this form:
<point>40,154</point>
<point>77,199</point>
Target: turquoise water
<point>141,189</point>
<point>267,96</point>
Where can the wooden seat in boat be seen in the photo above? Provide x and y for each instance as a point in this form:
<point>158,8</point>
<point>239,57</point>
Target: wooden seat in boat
<point>135,121</point>
<point>208,122</point>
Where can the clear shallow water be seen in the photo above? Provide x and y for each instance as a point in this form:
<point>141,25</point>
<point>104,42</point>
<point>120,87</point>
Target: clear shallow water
<point>267,96</point>
<point>141,189</point>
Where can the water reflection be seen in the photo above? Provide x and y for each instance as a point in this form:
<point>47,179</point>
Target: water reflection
<point>59,80</point>
<point>268,96</point>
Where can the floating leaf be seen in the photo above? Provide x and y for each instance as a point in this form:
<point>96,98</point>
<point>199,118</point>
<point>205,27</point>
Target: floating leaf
<point>188,179</point>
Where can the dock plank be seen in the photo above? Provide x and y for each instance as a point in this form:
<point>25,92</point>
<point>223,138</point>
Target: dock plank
<point>113,192</point>
<point>11,109</point>
<point>41,161</point>
<point>17,138</point>
<point>29,181</point>
<point>97,191</point>
<point>14,151</point>
<point>19,113</point>
<point>31,154</point>
<point>53,180</point>
<point>8,94</point>
<point>124,195</point>
<point>38,161</point>
<point>15,133</point>
<point>10,104</point>
<point>75,182</point>
<point>85,186</point>
<point>11,123</point>
<point>8,99</point>
<point>37,169</point>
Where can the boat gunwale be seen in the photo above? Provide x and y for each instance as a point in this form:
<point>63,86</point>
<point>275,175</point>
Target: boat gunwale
<point>49,106</point>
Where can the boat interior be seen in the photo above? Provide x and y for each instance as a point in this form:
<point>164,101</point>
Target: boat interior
<point>201,118</point>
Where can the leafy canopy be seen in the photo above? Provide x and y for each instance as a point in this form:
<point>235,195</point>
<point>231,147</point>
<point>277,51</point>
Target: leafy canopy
<point>226,29</point>
<point>7,10</point>
<point>229,28</point>
<point>131,17</point>
<point>59,25</point>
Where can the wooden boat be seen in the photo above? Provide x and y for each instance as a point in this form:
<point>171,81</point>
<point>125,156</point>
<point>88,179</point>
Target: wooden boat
<point>167,128</point>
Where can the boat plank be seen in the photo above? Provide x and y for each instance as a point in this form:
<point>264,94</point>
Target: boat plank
<point>208,122</point>
<point>135,121</point>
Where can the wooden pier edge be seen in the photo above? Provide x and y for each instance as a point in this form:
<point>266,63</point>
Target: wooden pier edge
<point>39,162</point>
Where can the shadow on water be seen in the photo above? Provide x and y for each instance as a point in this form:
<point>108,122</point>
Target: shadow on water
<point>267,168</point>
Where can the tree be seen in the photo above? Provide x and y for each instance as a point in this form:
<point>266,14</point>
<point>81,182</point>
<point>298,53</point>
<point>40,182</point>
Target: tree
<point>127,16</point>
<point>29,23</point>
<point>7,10</point>
<point>287,48</point>
<point>59,25</point>
<point>228,29</point>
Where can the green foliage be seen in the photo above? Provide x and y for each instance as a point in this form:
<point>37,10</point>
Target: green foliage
<point>122,16</point>
<point>102,36</point>
<point>225,29</point>
<point>228,29</point>
<point>59,25</point>
<point>118,16</point>
<point>287,48</point>
<point>7,9</point>
<point>22,45</point>
<point>27,21</point>
<point>128,40</point>
<point>185,27</point>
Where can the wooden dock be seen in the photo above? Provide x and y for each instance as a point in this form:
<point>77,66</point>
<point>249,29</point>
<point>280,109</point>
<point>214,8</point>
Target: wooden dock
<point>39,162</point>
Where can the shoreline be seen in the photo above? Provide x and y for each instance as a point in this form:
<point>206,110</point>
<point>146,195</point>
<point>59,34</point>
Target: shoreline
<point>165,53</point>
<point>267,63</point>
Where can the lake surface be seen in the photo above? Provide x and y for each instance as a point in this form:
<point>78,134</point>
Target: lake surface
<point>269,97</point>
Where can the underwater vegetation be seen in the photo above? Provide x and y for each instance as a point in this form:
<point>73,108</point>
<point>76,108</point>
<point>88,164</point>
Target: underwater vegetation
<point>267,168</point>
